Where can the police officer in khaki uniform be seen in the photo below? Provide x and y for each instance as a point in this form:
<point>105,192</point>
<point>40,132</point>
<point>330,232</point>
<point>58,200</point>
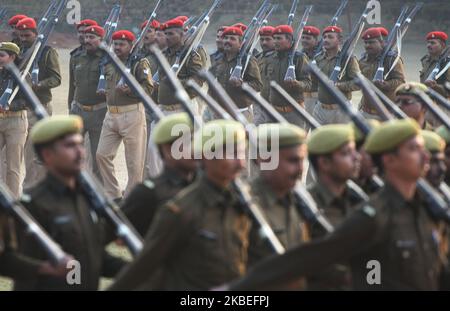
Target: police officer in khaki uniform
<point>393,228</point>
<point>333,156</point>
<point>60,206</point>
<point>374,45</point>
<point>438,56</point>
<point>81,27</point>
<point>223,67</point>
<point>87,103</point>
<point>443,132</point>
<point>268,50</point>
<point>173,30</point>
<point>310,41</point>
<point>12,22</point>
<point>199,238</point>
<point>49,78</point>
<point>13,123</point>
<point>142,203</point>
<point>124,121</point>
<point>219,44</point>
<point>276,71</point>
<point>326,111</point>
<point>272,191</point>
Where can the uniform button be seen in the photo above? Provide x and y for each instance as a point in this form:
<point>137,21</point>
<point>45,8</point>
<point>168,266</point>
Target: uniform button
<point>405,254</point>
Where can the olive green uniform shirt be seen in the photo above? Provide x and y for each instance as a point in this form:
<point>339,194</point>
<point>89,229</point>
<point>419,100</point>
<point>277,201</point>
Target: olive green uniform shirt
<point>200,239</point>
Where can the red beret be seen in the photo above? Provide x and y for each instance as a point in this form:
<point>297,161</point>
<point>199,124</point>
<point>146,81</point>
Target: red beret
<point>384,32</point>
<point>155,24</point>
<point>283,29</point>
<point>174,23</point>
<point>266,31</point>
<point>26,23</point>
<point>123,35</point>
<point>332,29</point>
<point>372,33</point>
<point>241,26</point>
<point>311,30</point>
<point>96,30</point>
<point>182,18</point>
<point>232,31</point>
<point>15,19</point>
<point>437,35</point>
<point>86,23</point>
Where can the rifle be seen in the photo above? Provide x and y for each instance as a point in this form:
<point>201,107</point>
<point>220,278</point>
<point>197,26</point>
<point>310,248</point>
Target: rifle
<point>137,45</point>
<point>441,100</point>
<point>240,186</point>
<point>440,68</point>
<point>436,206</point>
<point>333,22</point>
<point>36,53</point>
<point>292,12</point>
<point>99,201</point>
<point>348,47</point>
<point>21,214</point>
<point>247,40</point>
<point>109,27</point>
<point>44,19</point>
<point>290,72</point>
<point>3,13</point>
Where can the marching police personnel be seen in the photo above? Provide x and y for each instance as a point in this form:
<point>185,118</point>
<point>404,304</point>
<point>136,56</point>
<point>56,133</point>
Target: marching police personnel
<point>411,104</point>
<point>219,44</point>
<point>13,123</point>
<point>60,206</point>
<point>437,49</point>
<point>12,22</point>
<point>199,238</point>
<point>173,30</point>
<point>276,71</point>
<point>325,110</point>
<point>124,121</point>
<point>272,191</point>
<point>49,78</point>
<point>223,67</point>
<point>81,27</point>
<point>268,49</point>
<point>310,41</point>
<point>140,206</point>
<point>334,159</point>
<point>393,228</point>
<point>373,45</point>
<point>86,102</point>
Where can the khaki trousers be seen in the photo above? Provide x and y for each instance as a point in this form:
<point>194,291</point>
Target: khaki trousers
<point>35,171</point>
<point>13,134</point>
<point>130,128</point>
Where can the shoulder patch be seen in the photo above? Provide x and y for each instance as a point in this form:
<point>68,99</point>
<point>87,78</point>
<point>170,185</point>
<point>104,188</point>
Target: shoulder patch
<point>149,184</point>
<point>369,211</point>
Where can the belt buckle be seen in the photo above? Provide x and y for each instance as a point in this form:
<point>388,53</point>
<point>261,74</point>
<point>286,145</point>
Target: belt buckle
<point>87,108</point>
<point>114,109</point>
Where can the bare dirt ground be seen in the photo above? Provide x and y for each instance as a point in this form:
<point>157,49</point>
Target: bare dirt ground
<point>412,53</point>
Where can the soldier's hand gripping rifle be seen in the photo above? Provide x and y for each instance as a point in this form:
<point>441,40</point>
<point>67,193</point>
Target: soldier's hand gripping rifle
<point>348,47</point>
<point>100,203</point>
<point>333,22</point>
<point>290,72</point>
<point>247,41</point>
<point>442,65</point>
<point>137,45</point>
<point>435,203</point>
<point>32,227</point>
<point>240,186</point>
<point>34,55</point>
<point>110,27</point>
